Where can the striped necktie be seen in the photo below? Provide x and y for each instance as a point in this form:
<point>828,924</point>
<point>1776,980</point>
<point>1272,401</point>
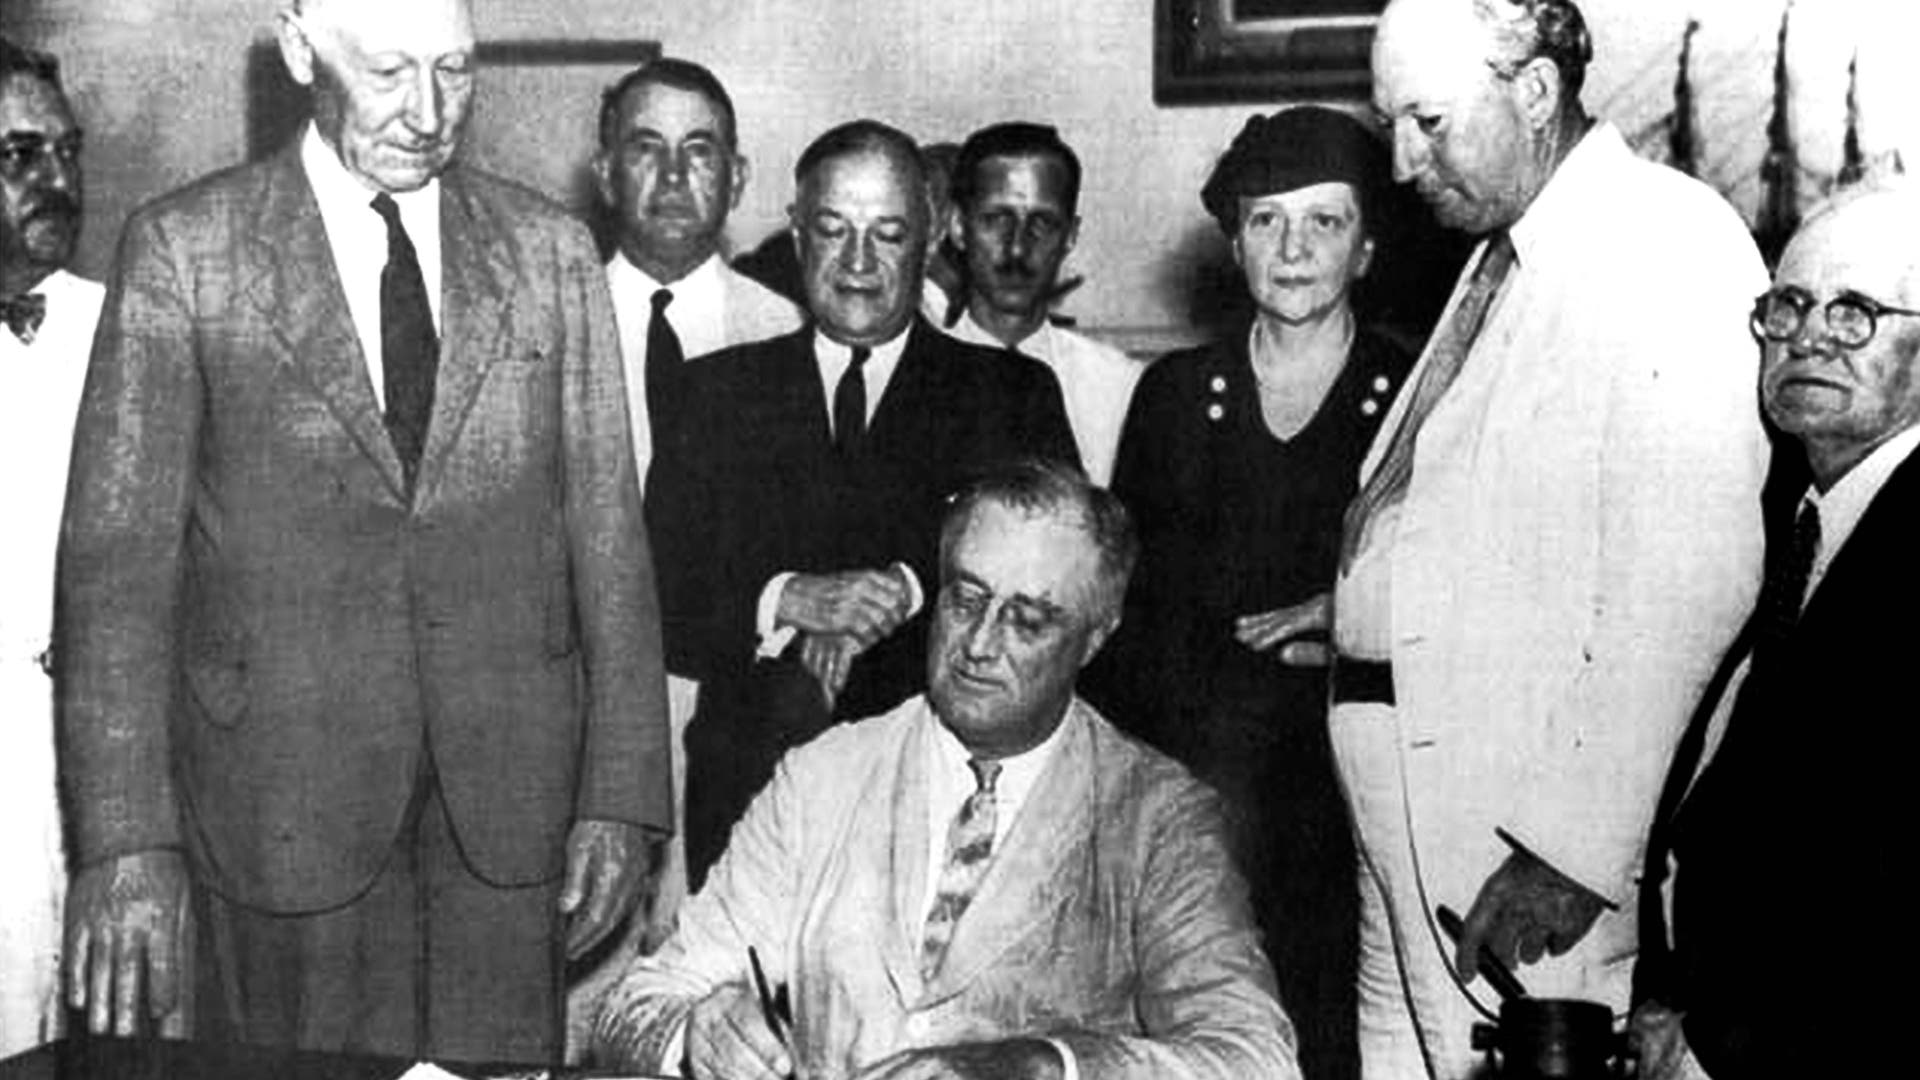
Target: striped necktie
<point>969,852</point>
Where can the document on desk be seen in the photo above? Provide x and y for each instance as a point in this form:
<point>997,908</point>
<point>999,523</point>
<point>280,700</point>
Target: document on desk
<point>429,1071</point>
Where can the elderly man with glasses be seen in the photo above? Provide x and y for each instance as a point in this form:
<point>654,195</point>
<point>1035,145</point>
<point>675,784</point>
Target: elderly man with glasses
<point>1787,796</point>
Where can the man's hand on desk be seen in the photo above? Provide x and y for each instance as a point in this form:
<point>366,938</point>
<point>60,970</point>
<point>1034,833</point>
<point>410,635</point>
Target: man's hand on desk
<point>728,1039</point>
<point>608,865</point>
<point>1297,635</point>
<point>1008,1059</point>
<point>864,604</point>
<point>129,942</point>
<point>1524,909</point>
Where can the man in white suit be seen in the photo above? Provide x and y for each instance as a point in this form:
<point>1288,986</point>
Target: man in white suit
<point>670,171</point>
<point>987,881</point>
<point>1558,530</point>
<point>46,325</point>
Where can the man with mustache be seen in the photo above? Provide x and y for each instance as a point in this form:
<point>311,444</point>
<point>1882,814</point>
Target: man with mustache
<point>796,521</point>
<point>48,315</point>
<point>1016,195</point>
<point>363,723</point>
<point>1557,531</point>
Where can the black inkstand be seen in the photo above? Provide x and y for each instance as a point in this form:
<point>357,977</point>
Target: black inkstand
<point>1544,1038</point>
<point>1553,1039</point>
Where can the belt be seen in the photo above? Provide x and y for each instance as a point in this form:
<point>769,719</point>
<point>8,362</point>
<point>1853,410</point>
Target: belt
<point>1362,681</point>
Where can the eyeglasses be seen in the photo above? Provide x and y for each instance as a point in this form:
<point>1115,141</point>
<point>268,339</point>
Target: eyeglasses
<point>19,154</point>
<point>1781,314</point>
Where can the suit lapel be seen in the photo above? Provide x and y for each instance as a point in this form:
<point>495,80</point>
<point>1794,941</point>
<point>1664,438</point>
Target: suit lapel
<point>1032,870</point>
<point>287,275</point>
<point>477,280</point>
<point>911,382</point>
<point>907,865</point>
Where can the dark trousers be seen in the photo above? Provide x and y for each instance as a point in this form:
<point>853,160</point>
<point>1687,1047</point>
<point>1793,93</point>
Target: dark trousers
<point>429,962</point>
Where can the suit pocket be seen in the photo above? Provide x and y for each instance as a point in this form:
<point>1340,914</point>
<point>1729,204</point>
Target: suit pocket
<point>220,691</point>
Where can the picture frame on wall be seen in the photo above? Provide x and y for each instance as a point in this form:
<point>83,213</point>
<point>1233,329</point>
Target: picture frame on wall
<point>1210,52</point>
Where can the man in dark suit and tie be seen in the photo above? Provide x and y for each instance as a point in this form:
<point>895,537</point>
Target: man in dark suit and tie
<point>363,725</point>
<point>1785,817</point>
<point>797,518</point>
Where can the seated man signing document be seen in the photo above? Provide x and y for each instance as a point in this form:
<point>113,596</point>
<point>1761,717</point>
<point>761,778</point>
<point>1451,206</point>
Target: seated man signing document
<point>988,880</point>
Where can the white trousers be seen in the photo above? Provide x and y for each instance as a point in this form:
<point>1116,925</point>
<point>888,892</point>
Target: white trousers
<point>1415,1021</point>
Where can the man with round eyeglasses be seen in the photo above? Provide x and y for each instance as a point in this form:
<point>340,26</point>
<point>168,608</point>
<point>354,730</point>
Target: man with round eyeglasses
<point>1782,835</point>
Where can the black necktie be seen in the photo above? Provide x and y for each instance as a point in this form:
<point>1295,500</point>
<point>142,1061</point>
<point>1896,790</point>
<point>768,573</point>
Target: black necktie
<point>1782,595</point>
<point>850,403</point>
<point>23,315</point>
<point>664,358</point>
<point>409,348</point>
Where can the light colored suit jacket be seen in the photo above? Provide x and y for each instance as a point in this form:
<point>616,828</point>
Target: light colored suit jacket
<point>260,633</point>
<point>1581,537</point>
<point>1111,918</point>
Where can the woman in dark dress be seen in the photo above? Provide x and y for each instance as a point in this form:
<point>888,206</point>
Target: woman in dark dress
<point>1237,461</point>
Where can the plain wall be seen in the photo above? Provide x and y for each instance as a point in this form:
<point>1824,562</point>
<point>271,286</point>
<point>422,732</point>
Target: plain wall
<point>161,88</point>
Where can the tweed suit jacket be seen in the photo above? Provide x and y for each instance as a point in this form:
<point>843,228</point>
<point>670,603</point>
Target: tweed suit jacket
<point>261,631</point>
<point>1111,918</point>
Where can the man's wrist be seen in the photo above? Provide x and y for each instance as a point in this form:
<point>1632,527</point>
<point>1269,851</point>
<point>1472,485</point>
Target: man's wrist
<point>772,638</point>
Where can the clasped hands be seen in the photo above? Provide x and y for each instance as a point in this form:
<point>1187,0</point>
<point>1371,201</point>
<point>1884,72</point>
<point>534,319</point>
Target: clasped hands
<point>728,1039</point>
<point>1296,635</point>
<point>129,925</point>
<point>840,616</point>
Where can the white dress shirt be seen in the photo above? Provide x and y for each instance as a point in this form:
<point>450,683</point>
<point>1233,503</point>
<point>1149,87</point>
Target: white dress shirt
<point>40,388</point>
<point>358,238</point>
<point>698,312</point>
<point>1096,385</point>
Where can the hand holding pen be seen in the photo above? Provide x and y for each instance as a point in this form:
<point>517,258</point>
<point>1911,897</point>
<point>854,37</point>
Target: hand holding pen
<point>739,1032</point>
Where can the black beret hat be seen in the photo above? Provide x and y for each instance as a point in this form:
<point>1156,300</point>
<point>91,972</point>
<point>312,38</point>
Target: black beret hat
<point>1292,149</point>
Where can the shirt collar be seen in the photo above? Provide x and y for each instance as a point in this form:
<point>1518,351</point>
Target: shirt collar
<point>1845,503</point>
<point>345,201</point>
<point>1038,344</point>
<point>1018,773</point>
<point>700,285</point>
<point>883,358</point>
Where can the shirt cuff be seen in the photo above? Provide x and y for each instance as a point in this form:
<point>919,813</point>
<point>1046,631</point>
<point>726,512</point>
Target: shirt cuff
<point>773,640</point>
<point>914,591</point>
<point>1069,1065</point>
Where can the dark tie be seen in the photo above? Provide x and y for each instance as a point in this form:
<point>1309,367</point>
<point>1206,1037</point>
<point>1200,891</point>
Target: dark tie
<point>1782,596</point>
<point>409,348</point>
<point>969,851</point>
<point>664,358</point>
<point>1784,591</point>
<point>850,403</point>
<point>1448,352</point>
<point>23,315</point>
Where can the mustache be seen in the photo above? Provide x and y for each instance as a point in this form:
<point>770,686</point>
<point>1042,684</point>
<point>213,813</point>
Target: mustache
<point>53,204</point>
<point>1015,270</point>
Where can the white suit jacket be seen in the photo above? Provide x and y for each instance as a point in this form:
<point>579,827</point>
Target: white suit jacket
<point>1111,919</point>
<point>1581,538</point>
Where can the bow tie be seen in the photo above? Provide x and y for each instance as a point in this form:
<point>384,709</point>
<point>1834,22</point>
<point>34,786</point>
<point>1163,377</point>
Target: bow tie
<point>23,314</point>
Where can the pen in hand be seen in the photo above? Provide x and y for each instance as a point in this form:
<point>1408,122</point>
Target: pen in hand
<point>773,1007</point>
